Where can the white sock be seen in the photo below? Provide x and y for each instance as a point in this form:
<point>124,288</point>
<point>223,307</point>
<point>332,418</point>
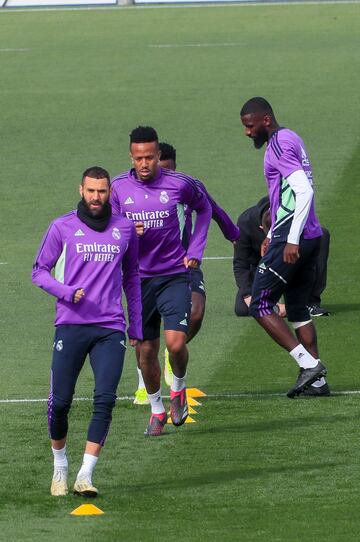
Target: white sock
<point>303,358</point>
<point>319,383</point>
<point>88,465</point>
<point>157,406</point>
<point>60,459</point>
<point>178,384</point>
<point>141,383</point>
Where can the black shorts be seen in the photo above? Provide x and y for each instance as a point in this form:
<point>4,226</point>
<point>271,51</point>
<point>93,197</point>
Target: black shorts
<point>275,278</point>
<point>197,281</point>
<point>168,298</point>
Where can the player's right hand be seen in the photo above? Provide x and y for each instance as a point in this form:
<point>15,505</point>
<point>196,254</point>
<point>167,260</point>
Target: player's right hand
<point>139,226</point>
<point>78,295</point>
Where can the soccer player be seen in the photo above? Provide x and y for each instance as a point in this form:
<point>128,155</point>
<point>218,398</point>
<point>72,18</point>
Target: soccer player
<point>254,223</point>
<point>88,248</point>
<point>198,296</point>
<point>292,244</point>
<point>155,198</point>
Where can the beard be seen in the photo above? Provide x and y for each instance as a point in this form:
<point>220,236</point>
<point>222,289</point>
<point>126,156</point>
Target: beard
<point>260,139</point>
<point>99,212</point>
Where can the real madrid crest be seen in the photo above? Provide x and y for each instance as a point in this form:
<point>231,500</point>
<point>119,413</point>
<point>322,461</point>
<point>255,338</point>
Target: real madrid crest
<point>116,233</point>
<point>164,198</point>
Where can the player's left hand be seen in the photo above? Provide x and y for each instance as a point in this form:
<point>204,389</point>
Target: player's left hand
<point>192,263</point>
<point>291,253</point>
<point>133,342</point>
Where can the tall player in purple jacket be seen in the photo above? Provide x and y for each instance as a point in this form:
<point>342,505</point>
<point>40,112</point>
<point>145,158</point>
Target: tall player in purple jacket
<point>156,197</point>
<point>291,247</point>
<point>94,255</point>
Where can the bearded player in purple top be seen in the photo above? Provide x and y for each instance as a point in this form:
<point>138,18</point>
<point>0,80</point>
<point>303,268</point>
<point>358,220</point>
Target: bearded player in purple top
<point>155,197</point>
<point>290,249</point>
<point>94,254</point>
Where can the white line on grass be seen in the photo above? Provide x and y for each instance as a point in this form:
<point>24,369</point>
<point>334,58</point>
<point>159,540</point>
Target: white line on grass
<point>228,4</point>
<point>177,45</point>
<point>3,263</point>
<point>217,258</point>
<point>14,50</point>
<point>235,395</point>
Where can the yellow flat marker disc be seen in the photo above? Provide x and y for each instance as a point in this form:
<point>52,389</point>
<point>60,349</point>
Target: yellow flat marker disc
<point>87,510</point>
<point>193,402</point>
<point>188,420</point>
<point>191,411</point>
<point>195,392</point>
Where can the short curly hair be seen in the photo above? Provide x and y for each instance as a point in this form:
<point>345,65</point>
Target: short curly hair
<point>143,134</point>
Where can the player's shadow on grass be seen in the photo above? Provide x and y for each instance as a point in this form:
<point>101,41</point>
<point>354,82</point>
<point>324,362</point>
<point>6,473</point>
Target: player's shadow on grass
<point>338,308</point>
<point>219,476</point>
<point>275,425</point>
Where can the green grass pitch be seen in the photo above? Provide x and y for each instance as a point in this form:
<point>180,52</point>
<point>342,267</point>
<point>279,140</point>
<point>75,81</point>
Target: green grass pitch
<point>255,466</point>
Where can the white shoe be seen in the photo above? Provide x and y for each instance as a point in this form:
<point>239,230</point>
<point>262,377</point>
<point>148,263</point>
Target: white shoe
<point>59,487</point>
<point>84,488</point>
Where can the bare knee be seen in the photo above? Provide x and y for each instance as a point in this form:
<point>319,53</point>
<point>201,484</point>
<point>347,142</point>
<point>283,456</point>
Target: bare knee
<point>176,347</point>
<point>175,342</point>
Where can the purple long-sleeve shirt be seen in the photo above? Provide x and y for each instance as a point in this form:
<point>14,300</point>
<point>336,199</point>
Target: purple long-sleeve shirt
<point>159,204</point>
<point>230,231</point>
<point>99,262</point>
<point>285,154</point>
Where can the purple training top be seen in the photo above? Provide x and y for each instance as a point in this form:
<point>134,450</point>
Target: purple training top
<point>98,262</point>
<point>230,231</point>
<point>159,204</point>
<point>285,154</point>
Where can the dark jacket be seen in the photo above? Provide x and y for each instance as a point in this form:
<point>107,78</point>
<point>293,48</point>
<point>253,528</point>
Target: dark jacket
<point>247,248</point>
